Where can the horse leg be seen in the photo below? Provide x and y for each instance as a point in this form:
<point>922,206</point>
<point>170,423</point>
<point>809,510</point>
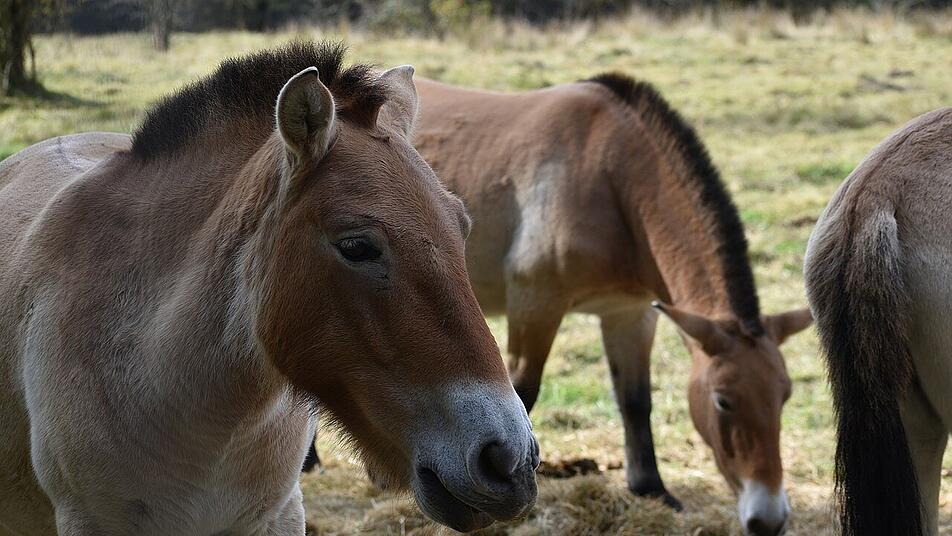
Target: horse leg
<point>627,336</point>
<point>532,328</point>
<point>927,436</point>
<point>312,460</point>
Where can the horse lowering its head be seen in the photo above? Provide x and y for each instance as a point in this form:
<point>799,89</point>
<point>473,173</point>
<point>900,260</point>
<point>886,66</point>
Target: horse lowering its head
<point>270,237</point>
<point>737,390</point>
<point>597,197</point>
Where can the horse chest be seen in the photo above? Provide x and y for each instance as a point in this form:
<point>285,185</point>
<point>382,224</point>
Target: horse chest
<point>241,492</point>
<point>219,504</point>
<point>190,477</point>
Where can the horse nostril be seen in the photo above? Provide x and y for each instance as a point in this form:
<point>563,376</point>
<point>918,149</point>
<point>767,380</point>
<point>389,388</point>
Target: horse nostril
<point>759,527</point>
<point>497,463</point>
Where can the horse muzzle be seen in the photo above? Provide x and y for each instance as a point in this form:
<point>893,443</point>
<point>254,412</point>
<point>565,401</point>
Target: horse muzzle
<point>763,513</point>
<point>479,466</point>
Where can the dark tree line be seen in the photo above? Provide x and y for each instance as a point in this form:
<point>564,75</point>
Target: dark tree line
<point>21,19</point>
<point>96,16</point>
<point>105,16</point>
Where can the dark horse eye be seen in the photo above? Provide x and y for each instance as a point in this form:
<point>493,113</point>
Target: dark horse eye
<point>722,404</point>
<point>358,250</point>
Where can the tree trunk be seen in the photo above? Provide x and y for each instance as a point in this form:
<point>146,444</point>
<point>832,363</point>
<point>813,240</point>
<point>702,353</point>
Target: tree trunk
<point>16,28</point>
<point>161,12</point>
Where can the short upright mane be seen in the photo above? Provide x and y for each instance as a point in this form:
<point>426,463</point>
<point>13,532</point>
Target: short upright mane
<point>248,87</point>
<point>713,196</point>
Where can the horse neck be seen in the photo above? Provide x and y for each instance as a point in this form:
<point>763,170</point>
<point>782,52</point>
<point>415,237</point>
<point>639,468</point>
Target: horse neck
<point>680,234</point>
<point>214,308</point>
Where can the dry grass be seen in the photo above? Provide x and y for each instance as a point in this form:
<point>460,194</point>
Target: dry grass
<point>786,111</point>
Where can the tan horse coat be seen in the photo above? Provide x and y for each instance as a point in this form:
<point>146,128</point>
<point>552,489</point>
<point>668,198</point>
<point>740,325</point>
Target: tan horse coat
<point>172,305</point>
<point>879,278</point>
<point>596,197</point>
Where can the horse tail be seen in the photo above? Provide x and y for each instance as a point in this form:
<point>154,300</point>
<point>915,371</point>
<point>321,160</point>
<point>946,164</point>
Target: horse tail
<point>855,283</point>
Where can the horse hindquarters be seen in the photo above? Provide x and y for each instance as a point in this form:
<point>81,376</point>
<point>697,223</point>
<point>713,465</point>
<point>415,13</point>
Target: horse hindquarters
<point>855,284</point>
<point>927,410</point>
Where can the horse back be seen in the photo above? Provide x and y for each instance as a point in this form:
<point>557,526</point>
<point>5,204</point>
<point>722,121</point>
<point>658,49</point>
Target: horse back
<point>29,179</point>
<point>536,172</point>
<point>29,183</point>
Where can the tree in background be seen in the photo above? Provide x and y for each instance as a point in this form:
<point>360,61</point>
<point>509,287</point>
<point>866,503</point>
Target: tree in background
<point>161,15</point>
<point>17,24</point>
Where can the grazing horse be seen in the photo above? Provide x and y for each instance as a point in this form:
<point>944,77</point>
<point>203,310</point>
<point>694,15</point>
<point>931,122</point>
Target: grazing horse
<point>877,273</point>
<point>173,304</point>
<point>597,197</point>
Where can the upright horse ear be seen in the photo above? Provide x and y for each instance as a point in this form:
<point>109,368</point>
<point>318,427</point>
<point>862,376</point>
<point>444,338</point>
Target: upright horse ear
<point>706,332</point>
<point>305,116</point>
<point>403,102</point>
<point>782,326</point>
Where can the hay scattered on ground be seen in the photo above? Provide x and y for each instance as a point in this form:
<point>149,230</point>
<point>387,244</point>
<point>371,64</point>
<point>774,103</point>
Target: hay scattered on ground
<point>569,468</point>
<point>342,501</point>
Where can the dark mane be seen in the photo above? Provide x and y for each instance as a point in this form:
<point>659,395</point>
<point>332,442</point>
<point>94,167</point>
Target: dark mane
<point>713,196</point>
<point>248,87</point>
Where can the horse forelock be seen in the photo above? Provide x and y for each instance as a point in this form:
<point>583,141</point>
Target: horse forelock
<point>245,89</point>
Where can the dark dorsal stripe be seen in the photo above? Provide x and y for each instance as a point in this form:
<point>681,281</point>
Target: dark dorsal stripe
<point>248,88</point>
<point>713,196</point>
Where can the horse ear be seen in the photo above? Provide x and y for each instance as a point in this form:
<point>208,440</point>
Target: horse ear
<point>706,332</point>
<point>305,116</point>
<point>403,102</point>
<point>782,326</point>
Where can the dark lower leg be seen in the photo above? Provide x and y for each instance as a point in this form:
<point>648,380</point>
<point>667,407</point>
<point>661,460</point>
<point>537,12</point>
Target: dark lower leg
<point>312,460</point>
<point>628,337</point>
<point>525,372</point>
<point>529,345</point>
<point>641,466</point>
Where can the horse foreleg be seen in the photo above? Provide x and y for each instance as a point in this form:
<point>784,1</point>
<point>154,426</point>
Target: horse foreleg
<point>312,460</point>
<point>628,336</point>
<point>532,328</point>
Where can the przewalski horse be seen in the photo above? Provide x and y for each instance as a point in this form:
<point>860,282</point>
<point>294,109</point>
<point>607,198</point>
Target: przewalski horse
<point>878,271</point>
<point>597,197</point>
<point>172,304</point>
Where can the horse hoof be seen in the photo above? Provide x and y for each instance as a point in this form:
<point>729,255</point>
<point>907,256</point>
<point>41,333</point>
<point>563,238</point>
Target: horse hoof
<point>671,502</point>
<point>655,493</point>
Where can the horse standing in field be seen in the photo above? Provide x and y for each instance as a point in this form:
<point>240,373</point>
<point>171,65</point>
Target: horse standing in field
<point>172,304</point>
<point>878,273</point>
<point>597,197</point>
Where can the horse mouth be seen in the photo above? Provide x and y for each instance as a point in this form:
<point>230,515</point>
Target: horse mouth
<point>442,506</point>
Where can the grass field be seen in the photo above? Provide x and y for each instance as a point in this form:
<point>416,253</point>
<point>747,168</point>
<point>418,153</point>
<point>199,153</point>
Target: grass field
<point>786,111</point>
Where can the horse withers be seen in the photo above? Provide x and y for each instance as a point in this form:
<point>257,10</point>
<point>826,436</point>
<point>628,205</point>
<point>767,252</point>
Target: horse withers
<point>597,197</point>
<point>877,271</point>
<point>172,305</point>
